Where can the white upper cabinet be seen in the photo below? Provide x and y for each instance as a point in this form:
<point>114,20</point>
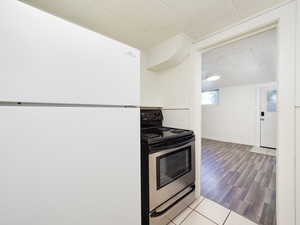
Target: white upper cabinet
<point>46,59</point>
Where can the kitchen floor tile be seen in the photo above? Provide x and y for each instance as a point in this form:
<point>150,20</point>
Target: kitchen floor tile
<point>235,219</point>
<point>197,219</point>
<point>196,202</point>
<point>171,223</point>
<point>182,216</point>
<point>213,211</point>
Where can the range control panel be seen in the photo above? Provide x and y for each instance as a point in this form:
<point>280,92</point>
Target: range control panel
<point>151,117</point>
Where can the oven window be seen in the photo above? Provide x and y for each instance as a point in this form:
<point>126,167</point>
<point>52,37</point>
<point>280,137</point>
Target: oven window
<point>172,166</point>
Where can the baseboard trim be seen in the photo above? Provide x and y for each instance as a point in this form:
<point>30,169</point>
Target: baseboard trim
<point>227,141</point>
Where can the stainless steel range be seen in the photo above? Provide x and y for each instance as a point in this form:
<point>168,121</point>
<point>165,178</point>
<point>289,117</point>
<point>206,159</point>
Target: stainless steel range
<point>168,169</point>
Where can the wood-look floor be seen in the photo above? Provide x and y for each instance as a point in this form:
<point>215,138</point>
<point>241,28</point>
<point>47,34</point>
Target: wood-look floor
<point>240,180</point>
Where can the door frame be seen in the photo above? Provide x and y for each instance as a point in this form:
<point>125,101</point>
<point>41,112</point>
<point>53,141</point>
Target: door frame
<point>282,17</point>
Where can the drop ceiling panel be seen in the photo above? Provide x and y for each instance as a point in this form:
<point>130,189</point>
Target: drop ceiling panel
<point>247,8</point>
<point>145,23</point>
<point>192,7</point>
<point>211,18</point>
<point>143,12</point>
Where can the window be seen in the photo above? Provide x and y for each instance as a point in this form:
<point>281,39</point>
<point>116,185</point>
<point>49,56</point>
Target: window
<point>210,97</point>
<point>272,101</point>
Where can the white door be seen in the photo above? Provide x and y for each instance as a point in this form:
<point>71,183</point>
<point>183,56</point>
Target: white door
<point>69,166</point>
<point>268,116</point>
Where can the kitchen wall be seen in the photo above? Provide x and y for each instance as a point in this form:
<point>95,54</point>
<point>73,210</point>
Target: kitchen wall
<point>177,118</point>
<point>171,89</point>
<point>177,89</point>
<point>234,119</point>
<point>298,117</point>
<point>298,165</point>
<point>177,85</point>
<point>150,85</point>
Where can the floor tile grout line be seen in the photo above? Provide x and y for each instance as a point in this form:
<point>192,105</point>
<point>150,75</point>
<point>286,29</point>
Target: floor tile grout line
<point>246,218</point>
<point>227,217</point>
<point>192,210</point>
<point>197,204</point>
<point>184,217</point>
<point>206,217</point>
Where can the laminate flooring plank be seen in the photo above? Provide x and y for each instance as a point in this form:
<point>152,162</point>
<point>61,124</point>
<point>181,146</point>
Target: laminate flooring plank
<point>240,180</point>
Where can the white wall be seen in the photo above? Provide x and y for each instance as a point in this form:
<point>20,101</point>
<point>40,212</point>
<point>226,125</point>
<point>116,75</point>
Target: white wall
<point>177,85</point>
<point>298,166</point>
<point>150,86</point>
<point>234,119</point>
<point>298,117</point>
<point>162,89</point>
<point>171,89</point>
<point>180,118</point>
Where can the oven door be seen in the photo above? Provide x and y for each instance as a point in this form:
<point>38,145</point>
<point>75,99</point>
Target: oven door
<point>170,171</point>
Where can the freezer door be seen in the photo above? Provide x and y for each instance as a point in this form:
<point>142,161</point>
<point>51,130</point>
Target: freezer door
<point>69,166</point>
<point>47,59</point>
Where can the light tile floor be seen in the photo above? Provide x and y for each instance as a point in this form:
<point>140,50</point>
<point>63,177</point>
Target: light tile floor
<point>265,151</point>
<point>206,212</point>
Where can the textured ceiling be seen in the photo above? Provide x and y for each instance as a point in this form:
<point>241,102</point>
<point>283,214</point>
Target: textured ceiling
<point>145,23</point>
<point>248,61</point>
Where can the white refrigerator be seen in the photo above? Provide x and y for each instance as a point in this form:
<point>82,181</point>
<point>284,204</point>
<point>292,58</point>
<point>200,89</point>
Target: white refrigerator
<point>69,123</point>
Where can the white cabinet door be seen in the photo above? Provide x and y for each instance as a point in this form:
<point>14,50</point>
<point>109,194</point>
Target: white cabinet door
<point>46,59</point>
<point>69,166</point>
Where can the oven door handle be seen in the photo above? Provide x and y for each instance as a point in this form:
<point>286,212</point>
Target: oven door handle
<point>160,213</point>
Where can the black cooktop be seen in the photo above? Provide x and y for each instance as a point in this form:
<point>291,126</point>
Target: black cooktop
<point>159,134</point>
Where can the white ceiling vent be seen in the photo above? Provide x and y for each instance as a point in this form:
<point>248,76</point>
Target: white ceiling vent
<point>169,53</point>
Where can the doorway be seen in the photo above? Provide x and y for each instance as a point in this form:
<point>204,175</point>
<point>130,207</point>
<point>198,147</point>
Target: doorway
<point>283,19</point>
<point>237,172</point>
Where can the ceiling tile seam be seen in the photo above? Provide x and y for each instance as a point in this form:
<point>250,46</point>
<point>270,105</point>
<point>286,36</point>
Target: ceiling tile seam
<point>168,7</point>
<point>236,9</point>
<point>174,10</point>
<point>164,4</point>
